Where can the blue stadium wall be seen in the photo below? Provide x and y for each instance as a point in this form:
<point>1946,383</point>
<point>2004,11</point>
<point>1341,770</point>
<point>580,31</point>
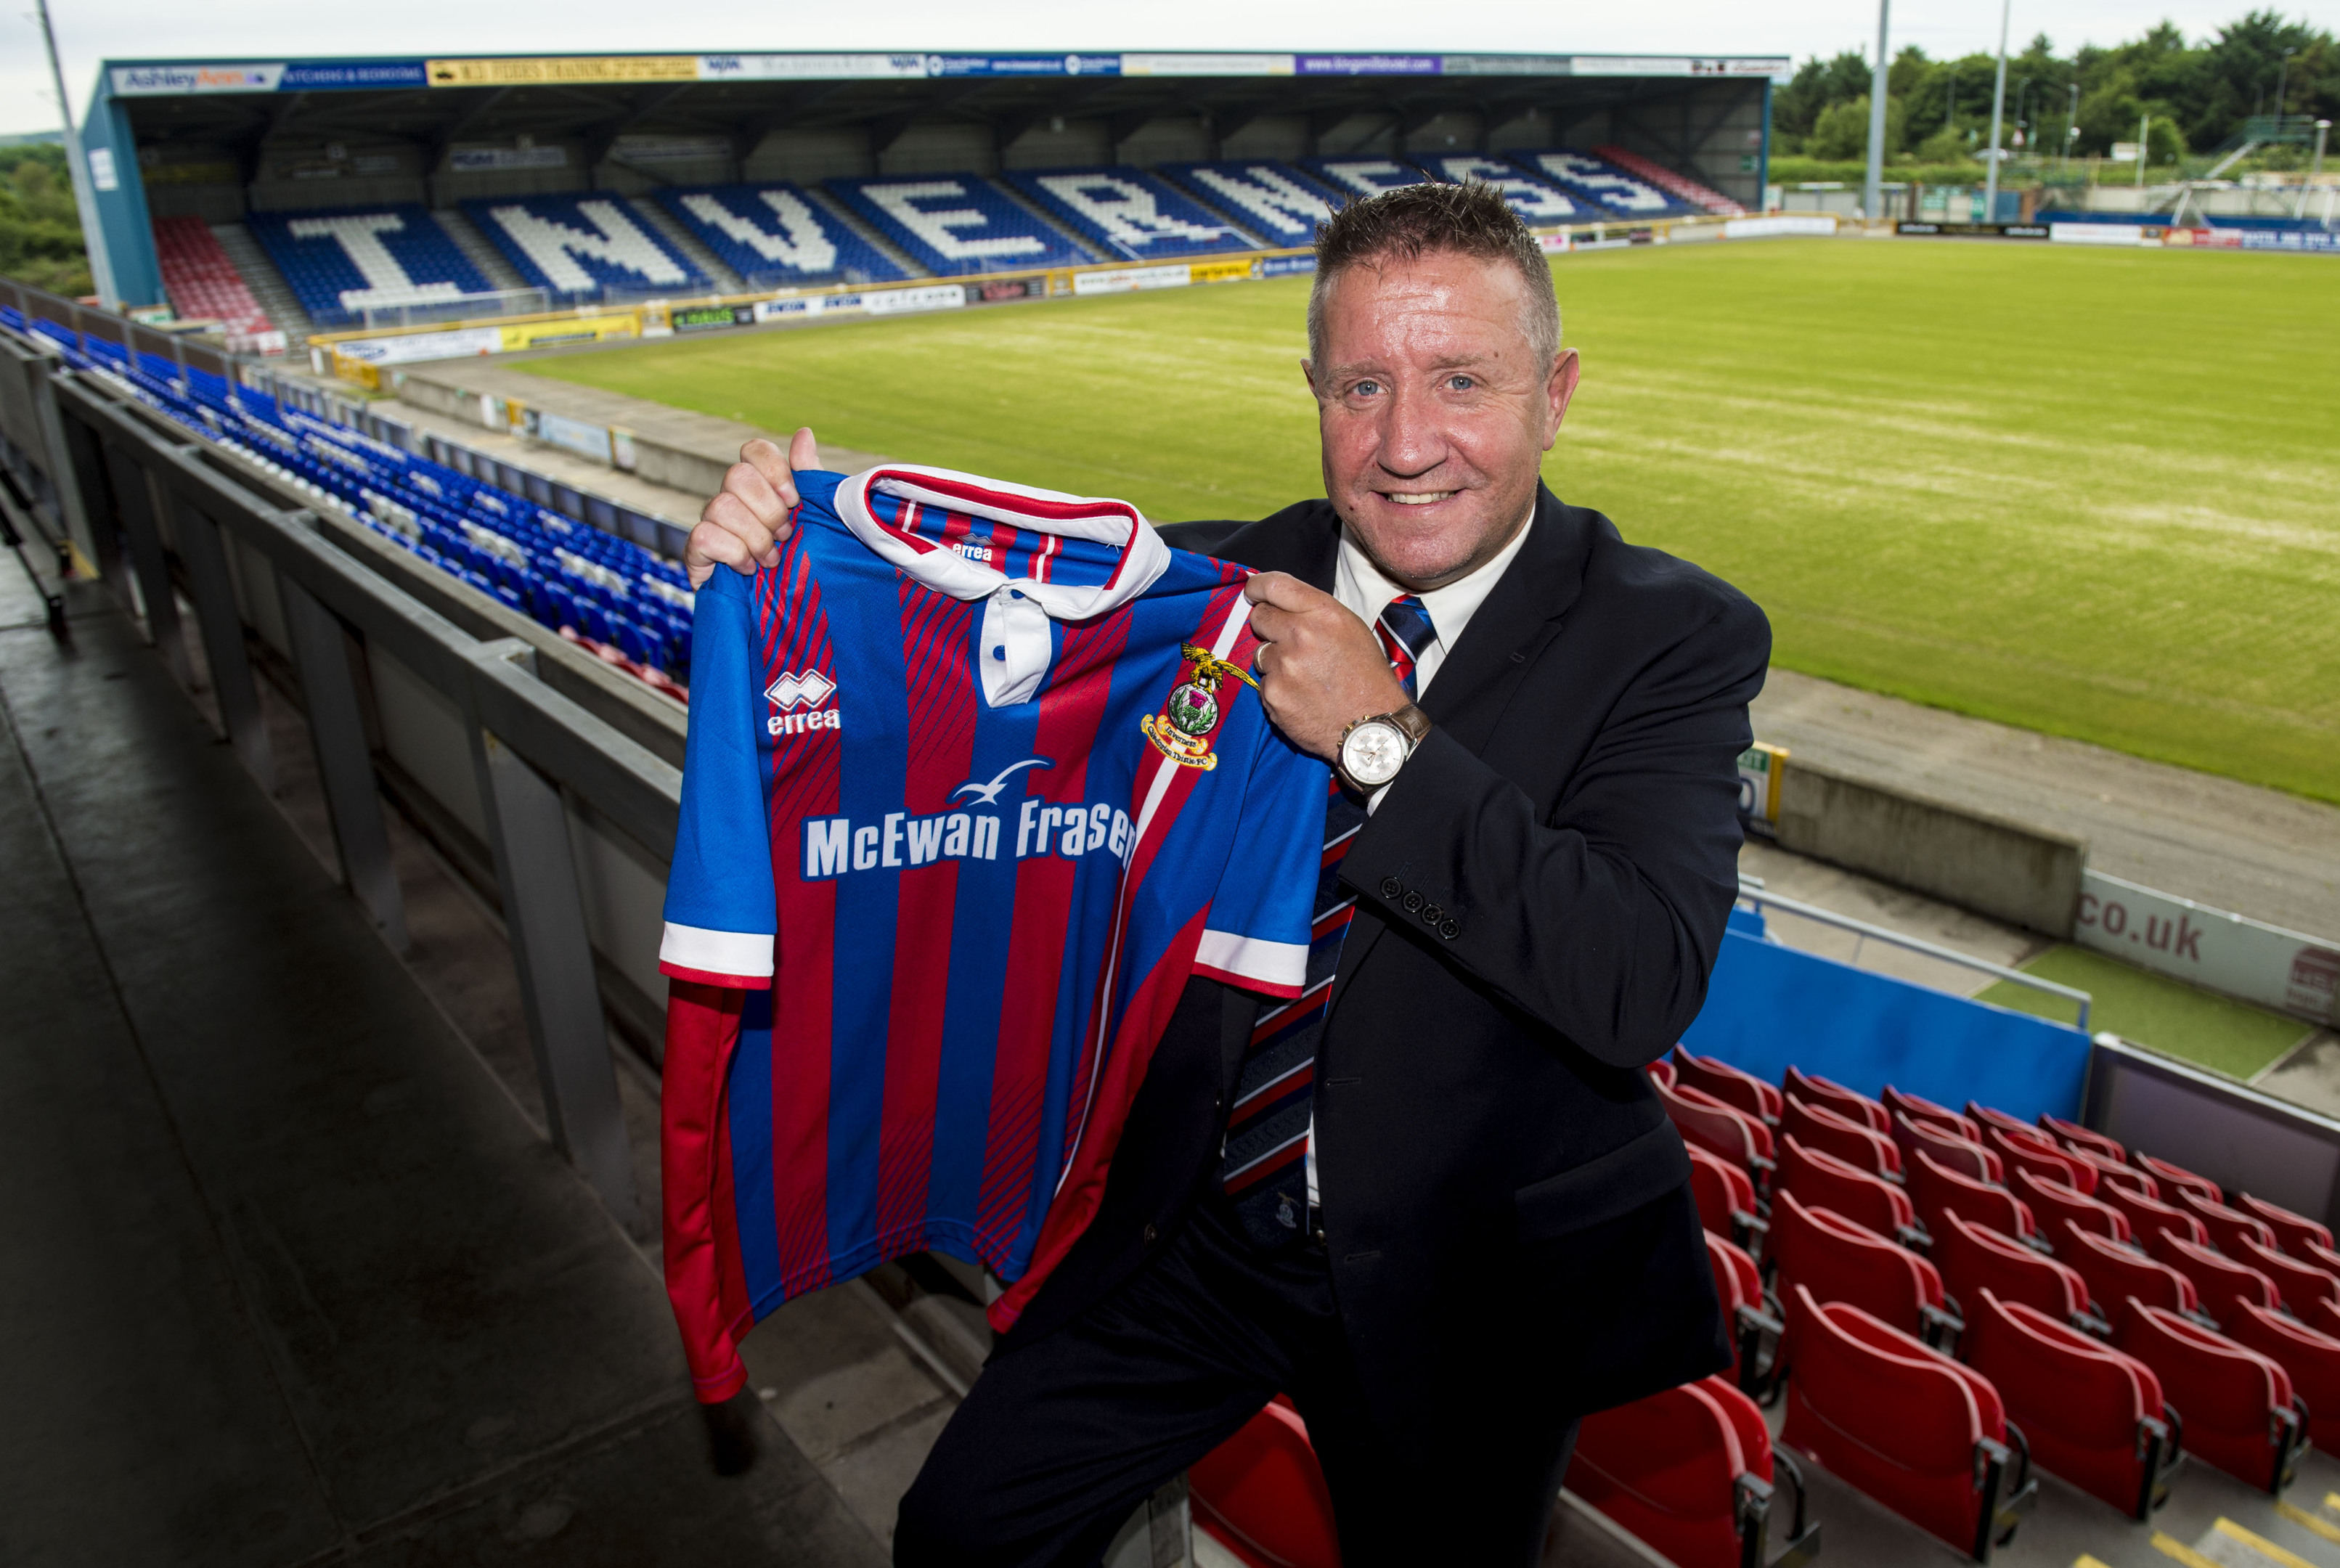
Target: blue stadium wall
<point>221,140</point>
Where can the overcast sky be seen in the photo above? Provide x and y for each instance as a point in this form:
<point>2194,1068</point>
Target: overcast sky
<point>247,31</point>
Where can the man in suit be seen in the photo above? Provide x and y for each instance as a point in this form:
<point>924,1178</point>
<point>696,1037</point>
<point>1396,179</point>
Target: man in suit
<point>1434,1201</point>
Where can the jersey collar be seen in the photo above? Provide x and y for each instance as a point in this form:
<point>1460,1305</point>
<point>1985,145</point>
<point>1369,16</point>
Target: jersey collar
<point>1143,556</point>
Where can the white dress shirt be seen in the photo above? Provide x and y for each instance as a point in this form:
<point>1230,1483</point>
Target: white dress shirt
<point>1365,592</point>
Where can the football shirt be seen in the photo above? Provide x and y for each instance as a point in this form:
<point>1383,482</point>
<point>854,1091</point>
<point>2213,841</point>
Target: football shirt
<point>974,782</point>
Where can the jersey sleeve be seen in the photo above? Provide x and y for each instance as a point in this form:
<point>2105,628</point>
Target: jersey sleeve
<point>702,1029</point>
<point>721,907</point>
<point>1258,934</point>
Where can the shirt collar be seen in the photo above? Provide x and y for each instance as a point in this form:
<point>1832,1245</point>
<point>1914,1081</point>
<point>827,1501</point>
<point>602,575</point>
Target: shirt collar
<point>1117,523</point>
<point>1360,586</point>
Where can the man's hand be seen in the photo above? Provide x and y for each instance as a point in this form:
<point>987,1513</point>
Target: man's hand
<point>1323,669</point>
<point>743,527</point>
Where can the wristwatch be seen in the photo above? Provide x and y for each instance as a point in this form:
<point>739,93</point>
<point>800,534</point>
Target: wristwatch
<point>1373,749</point>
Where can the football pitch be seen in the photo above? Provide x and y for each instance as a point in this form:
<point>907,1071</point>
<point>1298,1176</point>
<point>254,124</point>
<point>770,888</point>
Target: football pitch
<point>2091,493</point>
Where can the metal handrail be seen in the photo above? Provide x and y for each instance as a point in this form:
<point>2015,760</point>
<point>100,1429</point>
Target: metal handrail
<point>1752,890</point>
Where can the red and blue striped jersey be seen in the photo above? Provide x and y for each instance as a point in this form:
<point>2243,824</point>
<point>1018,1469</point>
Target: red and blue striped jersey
<point>974,782</point>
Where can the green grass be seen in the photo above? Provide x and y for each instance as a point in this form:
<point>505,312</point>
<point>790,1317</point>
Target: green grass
<point>2232,1038</point>
<point>2092,492</point>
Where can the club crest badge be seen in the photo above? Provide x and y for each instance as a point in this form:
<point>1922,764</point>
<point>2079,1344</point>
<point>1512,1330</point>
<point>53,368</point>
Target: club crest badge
<point>1182,730</point>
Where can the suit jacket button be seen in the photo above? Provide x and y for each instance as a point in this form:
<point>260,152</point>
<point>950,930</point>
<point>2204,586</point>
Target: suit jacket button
<point>1413,902</point>
<point>1431,915</point>
<point>1151,1233</point>
<point>1392,887</point>
<point>1449,928</point>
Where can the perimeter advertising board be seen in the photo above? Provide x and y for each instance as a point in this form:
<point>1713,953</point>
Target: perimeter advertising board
<point>2289,971</point>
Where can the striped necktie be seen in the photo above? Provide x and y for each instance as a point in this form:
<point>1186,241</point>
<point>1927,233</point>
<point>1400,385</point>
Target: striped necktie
<point>1265,1166</point>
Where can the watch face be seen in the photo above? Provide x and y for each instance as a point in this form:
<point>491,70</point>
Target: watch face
<point>1373,752</point>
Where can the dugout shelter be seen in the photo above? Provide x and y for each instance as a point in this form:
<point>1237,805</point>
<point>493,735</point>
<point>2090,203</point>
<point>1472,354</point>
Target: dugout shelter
<point>367,181</point>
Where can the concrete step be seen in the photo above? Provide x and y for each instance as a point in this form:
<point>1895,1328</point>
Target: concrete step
<point>850,221</point>
<point>266,283</point>
<point>725,280</point>
<point>500,272</point>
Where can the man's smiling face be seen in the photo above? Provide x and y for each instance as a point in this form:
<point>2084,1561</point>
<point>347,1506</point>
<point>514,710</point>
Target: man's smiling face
<point>1435,411</point>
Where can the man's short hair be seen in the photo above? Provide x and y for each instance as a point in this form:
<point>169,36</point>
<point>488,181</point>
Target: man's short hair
<point>1471,219</point>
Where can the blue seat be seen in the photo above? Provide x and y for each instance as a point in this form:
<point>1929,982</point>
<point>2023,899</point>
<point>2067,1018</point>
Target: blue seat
<point>1130,215</point>
<point>1609,190</point>
<point>1357,176</point>
<point>774,236</point>
<point>1535,201</point>
<point>954,224</point>
<point>338,260</point>
<point>1278,203</point>
<point>581,245</point>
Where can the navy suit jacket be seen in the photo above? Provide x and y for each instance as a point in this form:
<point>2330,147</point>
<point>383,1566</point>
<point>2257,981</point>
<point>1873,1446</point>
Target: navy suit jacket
<point>1506,1205</point>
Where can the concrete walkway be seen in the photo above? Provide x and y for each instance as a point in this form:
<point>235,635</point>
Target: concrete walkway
<point>292,1277</point>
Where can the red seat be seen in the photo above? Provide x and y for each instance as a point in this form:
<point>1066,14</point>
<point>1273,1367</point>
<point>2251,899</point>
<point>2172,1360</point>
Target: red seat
<point>1262,1495</point>
<point>1983,1116</point>
<point>2323,1257</point>
<point>2147,1217</point>
<point>1816,1090</point>
<point>2218,1281</point>
<point>2237,1403</point>
<point>2113,1173</point>
<point>1725,1195</point>
<point>1912,1428</point>
<point>2170,1175</point>
<point>2093,1415</point>
<point>1920,1109</point>
<point>2072,1134</point>
<point>1855,1143</point>
<point>1740,1139</point>
<point>1957,1153</point>
<point>1864,1198</point>
<point>1660,1072</point>
<point>1838,1260</point>
<point>2291,1231</point>
<point>2310,1356</point>
<point>1739,1090</point>
<point>1973,1259</point>
<point>1740,1285</point>
<point>2053,1201</point>
<point>2225,1225</point>
<point>1936,1188</point>
<point>2301,1284</point>
<point>2116,1273</point>
<point>2033,1153</point>
<point>1689,1473</point>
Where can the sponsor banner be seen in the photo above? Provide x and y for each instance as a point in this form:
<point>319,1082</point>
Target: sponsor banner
<point>1760,767</point>
<point>407,347</point>
<point>175,81</point>
<point>1001,289</point>
<point>568,434</point>
<point>1366,64</point>
<point>519,71</point>
<point>1507,64</point>
<point>101,173</point>
<point>2288,239</point>
<point>1982,231</point>
<point>1775,227</point>
<point>470,160</point>
<point>1207,66</point>
<point>932,297</point>
<point>709,318</point>
<point>669,149</point>
<point>1222,272</point>
<point>2289,971</point>
<point>1284,266</point>
<point>1129,280</point>
<point>351,75</point>
<point>1774,65</point>
<point>1555,244</point>
<point>1024,64</point>
<point>2212,239</point>
<point>809,305</point>
<point>2105,233</point>
<point>810,67</point>
<point>568,330</point>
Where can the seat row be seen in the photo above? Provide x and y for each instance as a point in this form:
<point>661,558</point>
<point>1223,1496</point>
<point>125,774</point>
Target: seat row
<point>202,281</point>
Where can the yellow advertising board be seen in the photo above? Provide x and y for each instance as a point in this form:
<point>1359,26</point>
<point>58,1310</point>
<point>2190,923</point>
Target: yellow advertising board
<point>523,72</point>
<point>1224,272</point>
<point>570,330</point>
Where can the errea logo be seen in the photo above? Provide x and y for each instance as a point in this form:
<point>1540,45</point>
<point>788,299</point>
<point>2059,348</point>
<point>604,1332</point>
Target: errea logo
<point>806,690</point>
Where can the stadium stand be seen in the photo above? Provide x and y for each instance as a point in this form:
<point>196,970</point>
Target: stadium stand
<point>2149,1217</point>
<point>2311,1358</point>
<point>2060,1202</point>
<point>1535,201</point>
<point>202,282</point>
<point>1129,214</point>
<point>2115,1272</point>
<point>1362,176</point>
<point>1698,197</point>
<point>338,262</point>
<point>2028,1151</point>
<point>2239,1411</point>
<point>2091,1415</point>
<point>1935,1189</point>
<point>2177,1177</point>
<point>2072,1134</point>
<point>1862,1197</point>
<point>1691,1473</point>
<point>1816,1090</point>
<point>957,223</point>
<point>1741,1091</point>
<point>2221,1286</point>
<point>1865,1148</point>
<point>1838,1260</point>
<point>579,246</point>
<point>1261,1494</point>
<point>2227,1226</point>
<point>2292,1230</point>
<point>1608,191</point>
<point>1957,1153</point>
<point>1275,200</point>
<point>775,237</point>
<point>1974,1260</point>
<point>1920,1109</point>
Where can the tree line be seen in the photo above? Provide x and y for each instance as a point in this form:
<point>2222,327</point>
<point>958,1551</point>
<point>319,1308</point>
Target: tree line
<point>2197,95</point>
<point>40,231</point>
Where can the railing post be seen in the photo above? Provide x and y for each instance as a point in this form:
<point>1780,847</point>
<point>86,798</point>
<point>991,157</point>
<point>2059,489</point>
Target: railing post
<point>344,761</point>
<point>544,913</point>
<point>203,551</point>
<point>142,524</point>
